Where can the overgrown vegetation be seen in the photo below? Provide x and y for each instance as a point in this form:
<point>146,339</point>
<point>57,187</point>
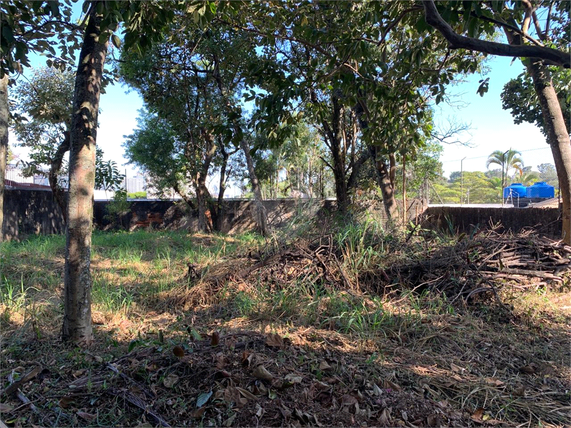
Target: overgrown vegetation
<point>218,330</point>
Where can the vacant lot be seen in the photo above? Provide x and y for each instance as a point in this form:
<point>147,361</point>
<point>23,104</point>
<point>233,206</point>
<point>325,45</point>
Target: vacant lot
<point>351,328</point>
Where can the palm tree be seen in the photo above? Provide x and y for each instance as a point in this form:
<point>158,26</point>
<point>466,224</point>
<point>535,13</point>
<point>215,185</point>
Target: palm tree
<point>527,178</point>
<point>508,160</point>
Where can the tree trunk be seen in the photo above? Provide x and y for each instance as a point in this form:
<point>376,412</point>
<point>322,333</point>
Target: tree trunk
<point>57,191</point>
<point>387,189</point>
<point>77,294</point>
<point>204,219</point>
<point>202,194</point>
<point>219,218</point>
<point>341,193</point>
<point>404,202</point>
<point>261,214</point>
<point>4,116</point>
<point>557,137</point>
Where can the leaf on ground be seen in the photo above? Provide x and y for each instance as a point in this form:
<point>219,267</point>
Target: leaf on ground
<point>348,400</point>
<point>221,361</point>
<point>478,415</point>
<point>178,351</point>
<point>494,382</point>
<point>4,408</point>
<point>86,416</point>
<point>529,369</point>
<point>228,422</point>
<point>232,395</point>
<point>195,335</point>
<point>247,394</point>
<point>274,340</point>
<point>170,380</point>
<point>293,378</point>
<point>65,402</point>
<point>215,339</point>
<point>203,398</point>
<point>387,384</point>
<point>198,413</point>
<point>385,418</point>
<point>262,373</point>
<point>324,366</point>
<point>247,358</point>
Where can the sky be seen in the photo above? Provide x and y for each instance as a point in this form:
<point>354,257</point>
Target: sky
<point>490,127</point>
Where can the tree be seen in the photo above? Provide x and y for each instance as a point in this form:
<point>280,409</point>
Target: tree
<point>508,160</point>
<point>548,174</point>
<point>385,73</point>
<point>83,135</point>
<point>102,19</point>
<point>177,78</point>
<point>43,110</point>
<point>537,57</point>
<point>4,118</point>
<point>27,27</point>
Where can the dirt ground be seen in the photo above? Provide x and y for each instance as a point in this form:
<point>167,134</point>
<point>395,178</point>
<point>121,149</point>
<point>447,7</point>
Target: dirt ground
<point>208,354</point>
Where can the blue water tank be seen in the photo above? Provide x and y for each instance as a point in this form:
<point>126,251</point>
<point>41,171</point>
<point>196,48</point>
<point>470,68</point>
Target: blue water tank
<point>515,190</point>
<point>541,190</point>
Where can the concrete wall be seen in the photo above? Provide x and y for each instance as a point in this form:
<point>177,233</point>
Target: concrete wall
<point>466,219</point>
<point>35,212</point>
<point>30,212</point>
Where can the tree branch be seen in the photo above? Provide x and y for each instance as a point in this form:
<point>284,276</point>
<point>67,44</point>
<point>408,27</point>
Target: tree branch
<point>457,41</point>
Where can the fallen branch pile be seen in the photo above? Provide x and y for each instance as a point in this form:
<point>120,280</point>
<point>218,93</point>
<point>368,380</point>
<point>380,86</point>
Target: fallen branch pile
<point>481,264</point>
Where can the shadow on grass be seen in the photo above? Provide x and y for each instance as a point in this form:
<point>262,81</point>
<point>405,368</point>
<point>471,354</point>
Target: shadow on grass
<point>285,356</point>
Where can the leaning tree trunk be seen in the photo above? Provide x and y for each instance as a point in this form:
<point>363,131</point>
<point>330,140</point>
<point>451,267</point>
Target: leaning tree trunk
<point>387,189</point>
<point>261,215</point>
<point>57,191</point>
<point>557,137</point>
<point>77,316</point>
<point>4,116</point>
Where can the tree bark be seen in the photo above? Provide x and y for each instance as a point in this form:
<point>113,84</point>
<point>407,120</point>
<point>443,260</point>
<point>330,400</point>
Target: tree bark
<point>77,326</point>
<point>219,218</point>
<point>457,41</point>
<point>57,191</point>
<point>261,214</point>
<point>4,116</point>
<point>387,189</point>
<point>404,202</point>
<point>205,223</point>
<point>557,137</point>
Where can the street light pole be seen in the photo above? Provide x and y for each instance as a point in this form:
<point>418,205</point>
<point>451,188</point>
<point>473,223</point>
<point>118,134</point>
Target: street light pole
<point>504,173</point>
<point>462,180</point>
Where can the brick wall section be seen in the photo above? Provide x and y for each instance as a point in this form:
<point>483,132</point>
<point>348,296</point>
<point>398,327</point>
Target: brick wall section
<point>35,212</point>
<point>31,212</point>
<point>466,219</point>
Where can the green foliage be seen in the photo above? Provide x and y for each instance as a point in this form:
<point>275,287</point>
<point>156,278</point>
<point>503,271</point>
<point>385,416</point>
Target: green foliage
<point>42,115</point>
<point>508,160</point>
<point>548,174</point>
<point>137,195</point>
<point>118,206</point>
<point>154,147</point>
<point>520,97</point>
<point>41,27</point>
<point>107,175</point>
<point>469,187</point>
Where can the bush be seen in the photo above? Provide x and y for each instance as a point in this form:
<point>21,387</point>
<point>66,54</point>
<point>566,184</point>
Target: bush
<point>137,195</point>
<point>117,207</point>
